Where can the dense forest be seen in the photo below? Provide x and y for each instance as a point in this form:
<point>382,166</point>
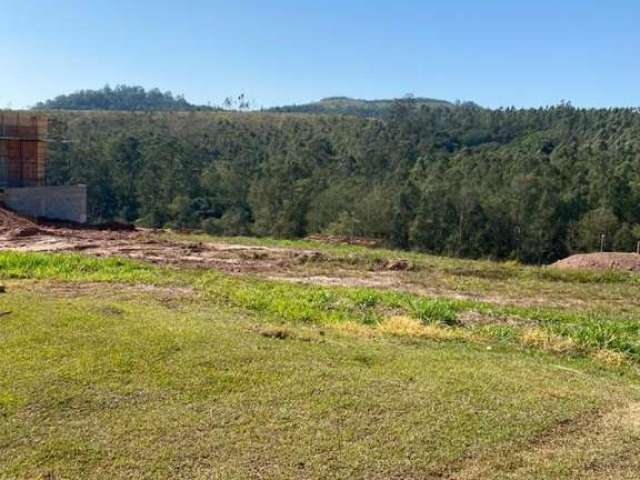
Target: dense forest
<point>120,98</point>
<point>528,184</point>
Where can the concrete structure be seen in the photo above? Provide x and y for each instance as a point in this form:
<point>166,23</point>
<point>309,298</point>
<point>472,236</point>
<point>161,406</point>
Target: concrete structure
<point>23,160</point>
<point>56,203</point>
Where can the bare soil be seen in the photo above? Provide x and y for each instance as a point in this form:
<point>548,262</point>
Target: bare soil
<point>617,261</point>
<point>21,234</point>
<point>283,264</point>
<point>13,226</point>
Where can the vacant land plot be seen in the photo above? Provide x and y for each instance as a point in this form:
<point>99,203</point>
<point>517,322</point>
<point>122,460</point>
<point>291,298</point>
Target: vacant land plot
<point>316,361</point>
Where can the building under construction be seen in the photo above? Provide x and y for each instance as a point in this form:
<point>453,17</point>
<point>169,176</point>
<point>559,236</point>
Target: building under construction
<point>23,162</point>
<point>23,150</point>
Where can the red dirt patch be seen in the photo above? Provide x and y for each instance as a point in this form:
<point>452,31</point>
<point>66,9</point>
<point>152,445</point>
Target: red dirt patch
<point>618,261</point>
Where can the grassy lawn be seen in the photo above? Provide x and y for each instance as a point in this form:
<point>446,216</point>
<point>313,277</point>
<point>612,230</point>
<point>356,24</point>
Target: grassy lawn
<point>119,369</point>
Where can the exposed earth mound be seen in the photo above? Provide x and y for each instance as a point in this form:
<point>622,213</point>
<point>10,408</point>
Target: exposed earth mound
<point>14,226</point>
<point>620,261</point>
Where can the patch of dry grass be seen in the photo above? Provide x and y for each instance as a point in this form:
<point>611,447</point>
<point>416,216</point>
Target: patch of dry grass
<point>543,340</point>
<point>400,325</point>
<point>611,358</point>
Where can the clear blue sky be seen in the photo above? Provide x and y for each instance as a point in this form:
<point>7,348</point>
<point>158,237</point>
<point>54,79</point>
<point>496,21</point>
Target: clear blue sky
<point>494,52</point>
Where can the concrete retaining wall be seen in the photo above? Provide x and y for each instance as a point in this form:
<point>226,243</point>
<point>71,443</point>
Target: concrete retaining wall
<point>55,203</point>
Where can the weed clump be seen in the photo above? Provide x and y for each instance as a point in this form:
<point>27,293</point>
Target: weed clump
<point>433,311</point>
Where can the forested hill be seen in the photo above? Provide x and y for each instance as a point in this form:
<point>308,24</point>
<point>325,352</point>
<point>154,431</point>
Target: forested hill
<point>354,106</point>
<point>529,184</point>
<point>126,98</point>
<point>120,98</point>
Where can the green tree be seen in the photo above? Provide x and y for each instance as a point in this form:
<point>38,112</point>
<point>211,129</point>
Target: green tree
<point>624,240</point>
<point>593,226</point>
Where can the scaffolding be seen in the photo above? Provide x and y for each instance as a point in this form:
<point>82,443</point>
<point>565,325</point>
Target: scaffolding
<point>23,149</point>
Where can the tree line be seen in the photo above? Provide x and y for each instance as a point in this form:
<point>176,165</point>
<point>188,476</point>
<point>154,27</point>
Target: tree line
<point>120,98</point>
<point>528,184</point>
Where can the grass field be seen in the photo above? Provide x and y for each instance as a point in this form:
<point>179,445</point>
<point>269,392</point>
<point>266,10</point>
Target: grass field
<point>120,369</point>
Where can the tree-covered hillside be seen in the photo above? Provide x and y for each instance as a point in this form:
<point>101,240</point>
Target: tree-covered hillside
<point>354,106</point>
<point>532,184</point>
<point>120,98</point>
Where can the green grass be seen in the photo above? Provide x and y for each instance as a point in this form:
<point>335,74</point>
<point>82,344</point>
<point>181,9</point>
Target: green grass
<point>324,305</point>
<point>75,267</point>
<point>118,382</point>
<point>310,304</point>
<point>121,369</point>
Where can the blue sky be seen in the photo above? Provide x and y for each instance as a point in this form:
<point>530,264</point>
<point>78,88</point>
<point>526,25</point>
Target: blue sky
<point>493,52</point>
